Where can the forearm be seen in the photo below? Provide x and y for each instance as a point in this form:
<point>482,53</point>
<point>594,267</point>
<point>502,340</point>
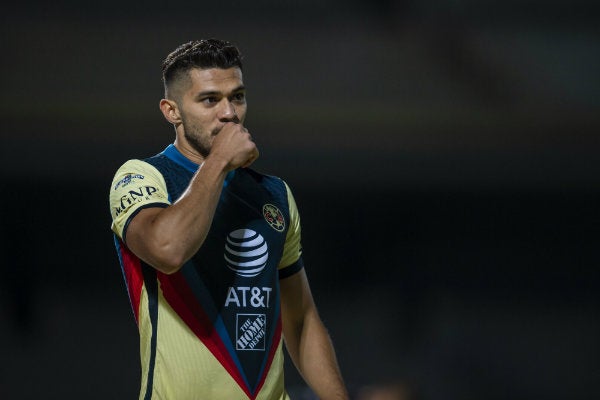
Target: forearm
<point>314,356</point>
<point>176,233</point>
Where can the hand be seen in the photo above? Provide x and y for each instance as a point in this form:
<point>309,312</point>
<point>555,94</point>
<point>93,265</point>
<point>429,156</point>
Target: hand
<point>234,144</point>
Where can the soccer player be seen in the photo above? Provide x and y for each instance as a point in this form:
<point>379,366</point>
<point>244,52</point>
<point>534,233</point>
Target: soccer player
<point>210,249</point>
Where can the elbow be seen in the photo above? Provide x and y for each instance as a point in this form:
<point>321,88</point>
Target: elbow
<point>170,264</point>
<point>168,260</point>
<point>168,268</point>
<point>173,255</point>
<point>165,252</point>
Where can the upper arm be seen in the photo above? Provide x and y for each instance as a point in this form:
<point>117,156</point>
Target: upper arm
<point>138,193</point>
<point>138,228</point>
<point>136,185</point>
<point>296,301</point>
<point>296,297</point>
<point>292,250</point>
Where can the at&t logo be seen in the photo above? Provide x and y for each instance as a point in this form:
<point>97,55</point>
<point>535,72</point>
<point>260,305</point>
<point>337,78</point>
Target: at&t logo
<point>246,252</point>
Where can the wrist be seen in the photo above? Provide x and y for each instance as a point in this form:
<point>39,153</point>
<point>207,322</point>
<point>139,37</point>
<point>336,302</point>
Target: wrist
<point>216,163</point>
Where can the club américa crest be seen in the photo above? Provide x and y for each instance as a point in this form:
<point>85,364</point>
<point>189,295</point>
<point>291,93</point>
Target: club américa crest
<point>274,217</point>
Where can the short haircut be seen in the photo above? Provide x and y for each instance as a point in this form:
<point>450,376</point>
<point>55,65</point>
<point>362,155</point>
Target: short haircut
<point>203,54</point>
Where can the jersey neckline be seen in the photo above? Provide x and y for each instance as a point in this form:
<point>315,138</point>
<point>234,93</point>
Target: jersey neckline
<point>175,155</point>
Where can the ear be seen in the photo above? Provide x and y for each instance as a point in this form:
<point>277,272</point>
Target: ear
<point>170,111</point>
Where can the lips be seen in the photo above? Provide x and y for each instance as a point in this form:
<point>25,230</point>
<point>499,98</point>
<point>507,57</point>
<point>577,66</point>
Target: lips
<point>216,131</point>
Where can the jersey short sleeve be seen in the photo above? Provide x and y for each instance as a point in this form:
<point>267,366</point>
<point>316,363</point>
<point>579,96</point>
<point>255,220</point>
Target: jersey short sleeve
<point>136,185</point>
<point>292,250</point>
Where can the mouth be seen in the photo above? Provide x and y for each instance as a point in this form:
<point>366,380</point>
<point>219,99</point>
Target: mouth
<point>216,131</point>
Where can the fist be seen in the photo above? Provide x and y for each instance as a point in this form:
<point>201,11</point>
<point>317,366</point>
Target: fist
<point>234,144</point>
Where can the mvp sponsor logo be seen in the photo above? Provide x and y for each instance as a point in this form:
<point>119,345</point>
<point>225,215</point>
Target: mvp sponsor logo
<point>142,193</point>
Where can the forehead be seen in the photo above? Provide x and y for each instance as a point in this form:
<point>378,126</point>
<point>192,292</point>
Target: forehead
<point>215,79</point>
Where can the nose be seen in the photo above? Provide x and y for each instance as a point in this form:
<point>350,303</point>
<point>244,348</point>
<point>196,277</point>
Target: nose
<point>227,112</point>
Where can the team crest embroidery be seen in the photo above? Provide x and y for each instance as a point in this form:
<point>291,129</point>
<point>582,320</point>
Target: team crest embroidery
<point>273,217</point>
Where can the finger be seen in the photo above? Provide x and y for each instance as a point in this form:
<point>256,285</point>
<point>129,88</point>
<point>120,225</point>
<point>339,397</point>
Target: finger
<point>252,158</point>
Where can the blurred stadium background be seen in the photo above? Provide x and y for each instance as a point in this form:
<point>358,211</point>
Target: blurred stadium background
<point>444,155</point>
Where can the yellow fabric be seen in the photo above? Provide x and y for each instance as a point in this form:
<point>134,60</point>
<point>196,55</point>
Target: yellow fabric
<point>184,367</point>
<point>186,370</point>
<point>292,249</point>
<point>134,185</point>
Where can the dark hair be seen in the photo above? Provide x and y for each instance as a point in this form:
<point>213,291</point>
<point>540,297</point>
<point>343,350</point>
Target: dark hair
<point>205,53</point>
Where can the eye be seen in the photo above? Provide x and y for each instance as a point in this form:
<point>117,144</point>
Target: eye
<point>210,100</point>
<point>239,97</point>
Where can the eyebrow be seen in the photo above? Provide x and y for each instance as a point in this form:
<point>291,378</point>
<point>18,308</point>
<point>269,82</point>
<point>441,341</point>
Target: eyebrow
<point>238,89</point>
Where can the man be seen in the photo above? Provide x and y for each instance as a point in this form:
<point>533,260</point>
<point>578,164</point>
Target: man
<point>210,249</point>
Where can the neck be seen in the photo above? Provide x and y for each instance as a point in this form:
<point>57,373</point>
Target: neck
<point>188,151</point>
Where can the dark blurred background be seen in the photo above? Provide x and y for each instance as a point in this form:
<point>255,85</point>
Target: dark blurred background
<point>444,155</point>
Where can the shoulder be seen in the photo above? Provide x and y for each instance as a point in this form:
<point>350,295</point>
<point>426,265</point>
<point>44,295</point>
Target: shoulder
<point>131,171</point>
<point>263,179</point>
<point>159,161</point>
<point>136,184</point>
<point>276,186</point>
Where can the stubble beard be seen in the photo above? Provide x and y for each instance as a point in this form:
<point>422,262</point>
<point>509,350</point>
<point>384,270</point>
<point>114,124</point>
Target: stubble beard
<point>199,141</point>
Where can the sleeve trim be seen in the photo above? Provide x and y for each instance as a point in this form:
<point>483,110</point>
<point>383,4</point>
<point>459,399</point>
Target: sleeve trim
<point>291,269</point>
<point>133,214</point>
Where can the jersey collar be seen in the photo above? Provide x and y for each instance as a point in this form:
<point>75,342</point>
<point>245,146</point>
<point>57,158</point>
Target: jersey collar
<point>172,153</point>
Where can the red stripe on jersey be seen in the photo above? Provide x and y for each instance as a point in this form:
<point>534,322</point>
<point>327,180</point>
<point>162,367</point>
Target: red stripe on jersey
<point>132,270</point>
<point>179,295</point>
<point>272,351</point>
